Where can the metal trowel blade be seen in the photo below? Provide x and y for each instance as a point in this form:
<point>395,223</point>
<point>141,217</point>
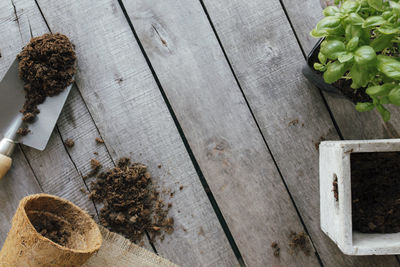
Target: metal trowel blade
<point>12,98</point>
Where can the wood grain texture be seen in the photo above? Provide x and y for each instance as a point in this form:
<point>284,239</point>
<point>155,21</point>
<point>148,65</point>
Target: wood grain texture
<point>267,60</point>
<point>131,116</point>
<point>219,127</point>
<point>20,180</point>
<point>352,124</point>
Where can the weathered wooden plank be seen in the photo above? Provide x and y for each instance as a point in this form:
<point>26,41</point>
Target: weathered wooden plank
<point>267,60</point>
<point>20,180</point>
<point>134,121</point>
<point>221,132</point>
<point>352,124</point>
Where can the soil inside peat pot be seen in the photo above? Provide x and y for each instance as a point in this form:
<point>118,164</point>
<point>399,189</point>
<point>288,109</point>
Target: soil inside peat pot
<point>47,65</point>
<point>342,85</point>
<point>60,222</point>
<point>375,191</point>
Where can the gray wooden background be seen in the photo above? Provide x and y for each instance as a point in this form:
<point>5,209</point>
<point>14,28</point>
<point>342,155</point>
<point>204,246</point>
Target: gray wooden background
<point>211,90</point>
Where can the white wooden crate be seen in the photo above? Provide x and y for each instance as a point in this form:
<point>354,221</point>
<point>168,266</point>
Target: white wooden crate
<point>336,219</point>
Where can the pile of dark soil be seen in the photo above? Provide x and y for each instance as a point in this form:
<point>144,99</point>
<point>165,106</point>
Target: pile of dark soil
<point>50,227</point>
<point>375,191</point>
<point>299,242</point>
<point>46,65</point>
<point>132,205</point>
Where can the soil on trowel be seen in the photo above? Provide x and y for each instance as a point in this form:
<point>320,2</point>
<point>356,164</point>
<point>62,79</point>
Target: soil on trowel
<point>46,65</point>
<point>132,204</point>
<point>50,227</point>
<point>375,192</point>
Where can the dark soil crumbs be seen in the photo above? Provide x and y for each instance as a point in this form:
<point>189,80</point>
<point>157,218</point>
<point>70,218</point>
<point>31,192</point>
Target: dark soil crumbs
<point>375,191</point>
<point>299,242</point>
<point>275,247</point>
<point>99,140</point>
<point>51,228</point>
<point>46,65</point>
<point>69,142</point>
<point>343,85</point>
<point>132,205</point>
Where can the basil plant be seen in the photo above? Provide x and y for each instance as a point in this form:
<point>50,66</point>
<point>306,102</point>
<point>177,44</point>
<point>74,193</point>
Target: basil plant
<point>361,45</point>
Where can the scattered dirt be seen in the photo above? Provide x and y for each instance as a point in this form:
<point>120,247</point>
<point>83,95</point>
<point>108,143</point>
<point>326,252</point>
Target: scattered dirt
<point>181,188</point>
<point>159,166</point>
<point>299,242</point>
<point>99,140</point>
<point>293,122</point>
<point>46,65</point>
<point>335,187</point>
<point>375,190</point>
<point>275,247</point>
<point>96,153</point>
<point>23,131</point>
<point>316,144</point>
<point>69,142</point>
<point>50,227</point>
<point>132,205</point>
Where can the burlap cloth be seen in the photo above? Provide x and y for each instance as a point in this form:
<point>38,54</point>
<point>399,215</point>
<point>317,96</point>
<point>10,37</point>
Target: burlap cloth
<point>117,251</point>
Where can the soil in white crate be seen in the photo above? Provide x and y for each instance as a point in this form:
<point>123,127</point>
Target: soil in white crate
<point>375,191</point>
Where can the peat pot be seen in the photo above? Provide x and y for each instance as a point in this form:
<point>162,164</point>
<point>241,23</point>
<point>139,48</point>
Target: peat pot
<point>341,205</point>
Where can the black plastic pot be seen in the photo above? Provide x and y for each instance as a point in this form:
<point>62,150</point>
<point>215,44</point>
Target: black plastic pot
<point>316,77</point>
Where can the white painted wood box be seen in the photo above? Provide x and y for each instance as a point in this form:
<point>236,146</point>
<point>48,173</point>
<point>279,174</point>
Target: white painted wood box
<point>336,219</point>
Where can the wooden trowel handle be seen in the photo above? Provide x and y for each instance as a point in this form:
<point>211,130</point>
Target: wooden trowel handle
<point>5,164</point>
<point>6,149</point>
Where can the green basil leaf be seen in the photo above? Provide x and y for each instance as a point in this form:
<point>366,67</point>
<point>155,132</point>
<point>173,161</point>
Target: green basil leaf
<point>334,72</point>
<point>381,42</point>
<point>329,24</point>
<point>319,67</point>
<point>359,76</point>
<point>373,21</point>
<point>330,11</point>
<point>365,56</point>
<point>386,15</point>
<point>384,100</point>
<point>389,66</point>
<point>394,96</point>
<point>384,112</point>
<point>379,90</point>
<point>355,19</point>
<point>318,34</point>
<point>396,7</point>
<point>363,107</point>
<point>333,49</point>
<point>352,31</point>
<point>352,44</point>
<point>345,57</point>
<point>377,4</point>
<point>388,29</point>
<point>349,7</point>
<point>322,58</point>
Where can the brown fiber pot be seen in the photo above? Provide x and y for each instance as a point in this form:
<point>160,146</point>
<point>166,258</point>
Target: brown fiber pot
<point>24,246</point>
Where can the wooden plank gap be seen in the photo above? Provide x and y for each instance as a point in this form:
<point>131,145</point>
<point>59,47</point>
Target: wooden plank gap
<point>203,181</point>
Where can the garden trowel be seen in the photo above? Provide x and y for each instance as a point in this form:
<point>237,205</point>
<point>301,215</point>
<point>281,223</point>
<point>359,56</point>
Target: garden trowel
<point>12,98</point>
